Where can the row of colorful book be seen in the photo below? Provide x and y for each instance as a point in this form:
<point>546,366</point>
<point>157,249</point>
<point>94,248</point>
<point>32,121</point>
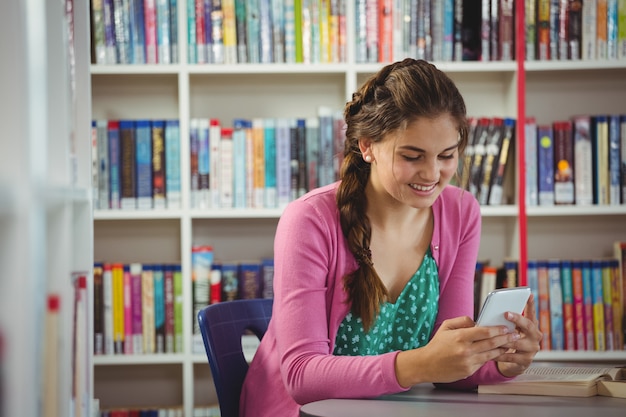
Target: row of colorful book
<point>134,32</point>
<point>572,30</point>
<point>263,162</point>
<point>448,30</point>
<point>489,152</point>
<point>266,31</point>
<point>579,303</point>
<point>138,308</point>
<point>136,164</point>
<point>214,281</point>
<point>580,161</point>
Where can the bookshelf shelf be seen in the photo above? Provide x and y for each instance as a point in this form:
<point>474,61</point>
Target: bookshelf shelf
<point>168,359</point>
<point>185,91</point>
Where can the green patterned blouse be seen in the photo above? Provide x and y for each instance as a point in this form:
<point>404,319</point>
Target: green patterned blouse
<point>403,325</point>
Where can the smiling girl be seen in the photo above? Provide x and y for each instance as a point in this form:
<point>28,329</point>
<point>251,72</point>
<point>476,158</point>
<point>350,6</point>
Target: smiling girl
<point>374,274</point>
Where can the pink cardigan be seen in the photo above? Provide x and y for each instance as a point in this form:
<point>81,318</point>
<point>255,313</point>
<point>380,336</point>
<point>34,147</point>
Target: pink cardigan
<point>294,363</point>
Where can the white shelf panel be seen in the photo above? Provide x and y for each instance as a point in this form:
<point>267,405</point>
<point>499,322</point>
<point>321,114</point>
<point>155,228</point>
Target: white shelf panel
<point>546,211</point>
<point>137,214</point>
<point>498,211</point>
<point>595,65</point>
<point>618,356</point>
<point>158,359</point>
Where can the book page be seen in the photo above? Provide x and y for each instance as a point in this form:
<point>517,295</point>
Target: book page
<point>567,374</point>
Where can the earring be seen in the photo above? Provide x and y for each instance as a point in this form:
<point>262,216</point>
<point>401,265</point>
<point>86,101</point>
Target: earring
<point>368,158</point>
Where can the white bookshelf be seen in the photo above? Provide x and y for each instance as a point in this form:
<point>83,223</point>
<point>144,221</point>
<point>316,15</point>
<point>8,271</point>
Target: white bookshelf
<point>185,91</point>
<point>46,218</point>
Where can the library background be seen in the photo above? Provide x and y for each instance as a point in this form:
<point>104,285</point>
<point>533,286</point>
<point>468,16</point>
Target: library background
<point>152,145</point>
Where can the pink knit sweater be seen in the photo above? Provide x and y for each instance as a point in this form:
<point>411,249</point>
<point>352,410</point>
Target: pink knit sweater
<point>294,363</point>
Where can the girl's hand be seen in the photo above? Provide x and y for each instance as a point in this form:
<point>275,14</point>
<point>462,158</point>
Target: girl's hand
<point>456,351</point>
<point>521,352</point>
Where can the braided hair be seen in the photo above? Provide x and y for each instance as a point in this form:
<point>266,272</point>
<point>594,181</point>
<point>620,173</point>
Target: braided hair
<point>387,102</point>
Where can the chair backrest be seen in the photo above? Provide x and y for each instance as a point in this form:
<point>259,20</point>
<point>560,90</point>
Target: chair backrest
<point>222,325</point>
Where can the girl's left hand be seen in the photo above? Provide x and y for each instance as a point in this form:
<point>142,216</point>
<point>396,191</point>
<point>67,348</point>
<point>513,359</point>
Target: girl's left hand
<point>522,351</point>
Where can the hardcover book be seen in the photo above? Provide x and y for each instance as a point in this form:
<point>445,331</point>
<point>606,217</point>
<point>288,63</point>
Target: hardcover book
<point>563,163</point>
<point>580,381</point>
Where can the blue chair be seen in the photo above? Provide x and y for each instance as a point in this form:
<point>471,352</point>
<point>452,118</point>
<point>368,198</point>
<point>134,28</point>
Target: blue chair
<point>222,326</point>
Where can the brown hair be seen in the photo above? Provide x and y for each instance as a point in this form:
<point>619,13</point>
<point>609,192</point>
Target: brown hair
<point>387,102</point>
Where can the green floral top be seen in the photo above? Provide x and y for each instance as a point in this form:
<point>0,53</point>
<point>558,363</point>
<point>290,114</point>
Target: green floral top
<point>403,325</point>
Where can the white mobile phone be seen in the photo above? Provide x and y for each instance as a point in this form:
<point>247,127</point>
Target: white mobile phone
<point>500,301</point>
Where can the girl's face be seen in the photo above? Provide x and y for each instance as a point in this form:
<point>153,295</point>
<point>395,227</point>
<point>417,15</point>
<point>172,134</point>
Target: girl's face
<point>413,166</point>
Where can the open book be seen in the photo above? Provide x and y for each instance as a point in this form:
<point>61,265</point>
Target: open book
<point>563,381</point>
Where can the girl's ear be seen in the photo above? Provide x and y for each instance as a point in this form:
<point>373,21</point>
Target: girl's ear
<point>365,146</point>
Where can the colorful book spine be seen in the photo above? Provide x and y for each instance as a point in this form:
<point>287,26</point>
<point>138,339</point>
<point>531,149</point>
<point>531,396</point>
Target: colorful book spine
<point>242,37</point>
<point>271,192</point>
<point>164,45</point>
<point>239,163</point>
<point>128,318</point>
<point>545,165</point>
<point>283,162</point>
<point>191,32</point>
<point>544,304</point>
<point>543,30</point>
<point>589,29</point>
<point>216,284</point>
<point>326,146</point>
<point>588,305</point>
<point>601,29</point>
<point>98,310</point>
<point>371,30</point>
<point>215,136</point>
<point>226,168</point>
<point>250,280</point>
<point>207,9</point>
<point>557,333</point>
<point>361,31</point>
<point>204,195</point>
<point>575,29</point>
<point>253,34</point>
<point>114,164</point>
<point>150,14</point>
<point>144,164</point>
<point>173,193</point>
<point>249,164</point>
<point>174,44</point>
<point>490,159</point>
<point>117,273</point>
<point>622,120</point>
<point>159,308</point>
<point>103,165</point>
<point>278,30</point>
<point>614,160</point>
<point>194,174</point>
<point>230,32</point>
<point>266,47</point>
<point>258,161</point>
<point>447,50</point>
<point>496,189</point>
<point>178,308</point>
<point>568,305</point>
<point>137,32</point>
<point>217,32</point>
<point>617,303</point>
<point>201,34</point>
<point>201,261</point>
<point>109,32</point>
<point>107,295</point>
<point>600,144</point>
<point>607,300</point>
<point>564,169</point>
<point>579,307</point>
<point>267,272</point>
<point>128,179</point>
<point>136,307</point>
<point>530,142</point>
<point>583,161</point>
<point>147,310</point>
<point>597,295</point>
<point>621,29</point>
<point>97,32</point>
<point>312,151</point>
<point>230,281</point>
<point>611,29</point>
<point>122,31</point>
<point>158,164</point>
<point>532,280</point>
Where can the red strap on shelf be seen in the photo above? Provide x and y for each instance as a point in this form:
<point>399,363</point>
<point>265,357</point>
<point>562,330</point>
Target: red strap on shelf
<point>520,46</point>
